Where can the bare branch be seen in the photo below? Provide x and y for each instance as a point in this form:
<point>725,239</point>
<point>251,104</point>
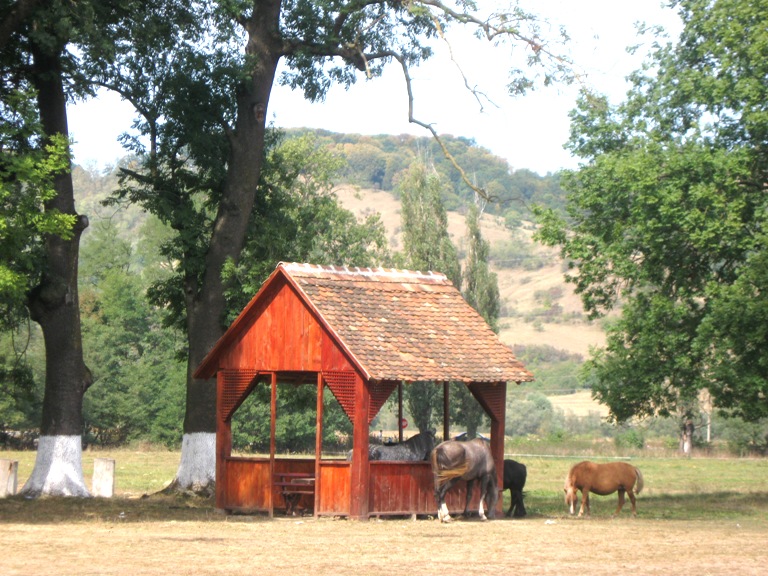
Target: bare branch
<point>406,74</point>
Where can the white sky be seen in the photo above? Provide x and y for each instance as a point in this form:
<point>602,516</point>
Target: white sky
<point>528,132</point>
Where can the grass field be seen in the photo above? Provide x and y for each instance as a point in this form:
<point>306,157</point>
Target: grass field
<point>695,515</point>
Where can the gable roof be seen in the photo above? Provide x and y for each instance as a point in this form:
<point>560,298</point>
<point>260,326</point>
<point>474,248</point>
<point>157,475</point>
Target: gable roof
<point>395,325</point>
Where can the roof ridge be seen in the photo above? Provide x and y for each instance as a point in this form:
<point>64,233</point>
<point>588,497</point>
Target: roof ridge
<point>379,272</point>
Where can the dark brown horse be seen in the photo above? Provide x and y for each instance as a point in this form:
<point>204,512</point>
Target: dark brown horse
<point>602,479</point>
<point>471,461</point>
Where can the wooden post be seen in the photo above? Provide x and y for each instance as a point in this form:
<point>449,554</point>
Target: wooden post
<point>359,506</point>
<point>400,411</point>
<point>223,441</point>
<point>318,442</point>
<point>498,422</point>
<point>446,412</point>
<point>103,485</point>
<point>9,471</point>
<point>272,441</point>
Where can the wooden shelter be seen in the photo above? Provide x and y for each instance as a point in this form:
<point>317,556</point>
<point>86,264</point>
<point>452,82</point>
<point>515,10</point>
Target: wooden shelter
<point>362,333</point>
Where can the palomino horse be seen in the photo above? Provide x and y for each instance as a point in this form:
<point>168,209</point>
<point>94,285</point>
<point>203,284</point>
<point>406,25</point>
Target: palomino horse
<point>602,479</point>
<point>453,461</point>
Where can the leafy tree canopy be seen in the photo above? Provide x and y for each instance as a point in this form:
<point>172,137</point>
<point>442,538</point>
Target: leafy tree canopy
<point>667,216</point>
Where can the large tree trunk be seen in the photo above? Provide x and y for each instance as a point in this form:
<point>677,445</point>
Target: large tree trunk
<point>686,436</point>
<point>54,304</point>
<point>205,303</point>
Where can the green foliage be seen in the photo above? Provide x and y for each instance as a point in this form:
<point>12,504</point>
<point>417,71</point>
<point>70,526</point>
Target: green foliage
<point>667,216</point>
<point>557,371</point>
<point>138,382</point>
<point>744,438</point>
<point>299,219</point>
<point>530,413</point>
<point>481,287</point>
<point>423,401</point>
<point>517,253</point>
<point>382,161</point>
<point>427,247</point>
<point>20,395</point>
<point>426,243</point>
<point>629,438</point>
<point>27,170</point>
<point>295,423</point>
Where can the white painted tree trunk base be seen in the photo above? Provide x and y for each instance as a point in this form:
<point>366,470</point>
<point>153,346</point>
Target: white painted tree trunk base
<point>197,470</point>
<point>58,469</point>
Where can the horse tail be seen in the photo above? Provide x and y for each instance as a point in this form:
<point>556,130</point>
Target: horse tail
<point>443,475</point>
<point>639,485</point>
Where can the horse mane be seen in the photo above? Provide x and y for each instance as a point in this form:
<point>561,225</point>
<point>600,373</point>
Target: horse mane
<point>568,479</point>
<point>639,485</point>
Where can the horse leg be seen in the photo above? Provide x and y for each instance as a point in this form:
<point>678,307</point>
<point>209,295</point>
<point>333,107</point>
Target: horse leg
<point>631,495</point>
<point>584,501</point>
<point>442,508</point>
<point>517,500</point>
<point>470,485</point>
<point>621,502</point>
<point>483,492</point>
<point>492,494</point>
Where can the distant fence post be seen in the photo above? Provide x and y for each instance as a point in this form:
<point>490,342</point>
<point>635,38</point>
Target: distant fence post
<point>9,470</point>
<point>103,477</point>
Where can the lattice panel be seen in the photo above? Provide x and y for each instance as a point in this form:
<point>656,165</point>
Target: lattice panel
<point>492,397</point>
<point>379,394</point>
<point>342,386</point>
<point>237,385</point>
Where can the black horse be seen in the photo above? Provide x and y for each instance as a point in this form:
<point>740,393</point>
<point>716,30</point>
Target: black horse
<point>515,474</point>
<point>471,461</point>
<point>417,447</point>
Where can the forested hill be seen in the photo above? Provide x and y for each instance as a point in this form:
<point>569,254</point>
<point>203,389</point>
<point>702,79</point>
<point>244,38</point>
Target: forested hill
<point>376,162</point>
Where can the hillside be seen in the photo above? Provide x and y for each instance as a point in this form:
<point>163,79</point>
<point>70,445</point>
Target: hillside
<point>519,288</point>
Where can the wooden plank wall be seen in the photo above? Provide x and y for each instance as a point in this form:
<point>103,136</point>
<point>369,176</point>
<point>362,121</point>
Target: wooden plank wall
<point>401,488</point>
<point>248,484</point>
<point>333,497</point>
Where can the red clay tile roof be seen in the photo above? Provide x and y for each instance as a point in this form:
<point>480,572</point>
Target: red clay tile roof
<point>406,325</point>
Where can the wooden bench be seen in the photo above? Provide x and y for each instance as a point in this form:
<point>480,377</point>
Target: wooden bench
<point>292,486</point>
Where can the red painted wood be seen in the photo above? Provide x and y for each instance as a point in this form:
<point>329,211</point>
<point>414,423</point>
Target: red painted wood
<point>359,504</point>
<point>223,442</point>
<point>247,485</point>
<point>333,490</point>
<point>403,488</point>
<point>303,467</point>
<point>286,336</point>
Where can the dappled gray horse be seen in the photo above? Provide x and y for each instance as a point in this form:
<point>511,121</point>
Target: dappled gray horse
<point>417,447</point>
<point>471,461</point>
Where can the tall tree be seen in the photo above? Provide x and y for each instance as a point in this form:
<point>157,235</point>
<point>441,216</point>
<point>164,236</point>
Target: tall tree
<point>40,44</point>
<point>427,246</point>
<point>203,94</point>
<point>667,216</point>
<point>481,291</point>
<point>34,63</point>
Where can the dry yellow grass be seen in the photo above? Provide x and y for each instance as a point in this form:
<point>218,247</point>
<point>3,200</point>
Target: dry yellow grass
<point>578,404</point>
<point>241,546</point>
